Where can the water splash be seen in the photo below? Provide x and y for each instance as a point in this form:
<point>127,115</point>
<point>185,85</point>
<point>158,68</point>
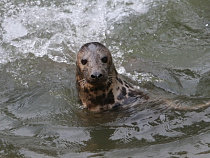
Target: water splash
<point>44,29</point>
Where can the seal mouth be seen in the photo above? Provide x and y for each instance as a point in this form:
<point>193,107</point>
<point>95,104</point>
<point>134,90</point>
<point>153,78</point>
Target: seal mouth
<point>97,82</point>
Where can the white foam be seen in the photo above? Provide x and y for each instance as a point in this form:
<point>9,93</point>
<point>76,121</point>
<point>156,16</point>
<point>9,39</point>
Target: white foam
<point>74,24</point>
<point>13,29</point>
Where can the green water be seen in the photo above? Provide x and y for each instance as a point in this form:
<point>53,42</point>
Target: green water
<point>162,46</point>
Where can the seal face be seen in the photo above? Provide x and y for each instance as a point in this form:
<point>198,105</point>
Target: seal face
<point>99,85</point>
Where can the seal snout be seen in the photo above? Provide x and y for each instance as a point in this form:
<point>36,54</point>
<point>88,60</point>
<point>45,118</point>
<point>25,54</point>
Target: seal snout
<point>97,77</point>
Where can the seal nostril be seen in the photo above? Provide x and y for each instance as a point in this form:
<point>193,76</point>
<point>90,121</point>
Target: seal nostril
<point>100,75</point>
<point>96,75</point>
<point>93,76</point>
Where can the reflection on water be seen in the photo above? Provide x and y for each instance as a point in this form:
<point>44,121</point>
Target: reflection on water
<point>161,46</point>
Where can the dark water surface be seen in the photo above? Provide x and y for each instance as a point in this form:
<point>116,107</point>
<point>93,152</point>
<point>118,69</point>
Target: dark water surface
<point>162,46</point>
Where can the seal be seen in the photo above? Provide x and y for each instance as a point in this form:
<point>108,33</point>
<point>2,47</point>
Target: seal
<point>99,85</point>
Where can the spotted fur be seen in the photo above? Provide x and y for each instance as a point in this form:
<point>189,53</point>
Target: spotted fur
<point>99,85</point>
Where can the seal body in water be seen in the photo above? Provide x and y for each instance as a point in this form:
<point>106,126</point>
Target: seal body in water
<point>99,85</point>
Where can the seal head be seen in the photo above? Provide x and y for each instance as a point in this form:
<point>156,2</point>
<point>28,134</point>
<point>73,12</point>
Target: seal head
<point>94,64</point>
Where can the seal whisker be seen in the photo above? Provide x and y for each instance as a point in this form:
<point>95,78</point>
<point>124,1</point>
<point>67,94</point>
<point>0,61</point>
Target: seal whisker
<point>110,80</point>
<point>110,76</point>
<point>83,84</point>
<point>82,80</point>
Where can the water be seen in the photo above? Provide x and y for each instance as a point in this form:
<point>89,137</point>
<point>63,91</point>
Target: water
<point>161,46</point>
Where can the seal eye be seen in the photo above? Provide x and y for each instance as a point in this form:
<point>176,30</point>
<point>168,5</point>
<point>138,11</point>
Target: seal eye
<point>104,59</point>
<point>84,61</point>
